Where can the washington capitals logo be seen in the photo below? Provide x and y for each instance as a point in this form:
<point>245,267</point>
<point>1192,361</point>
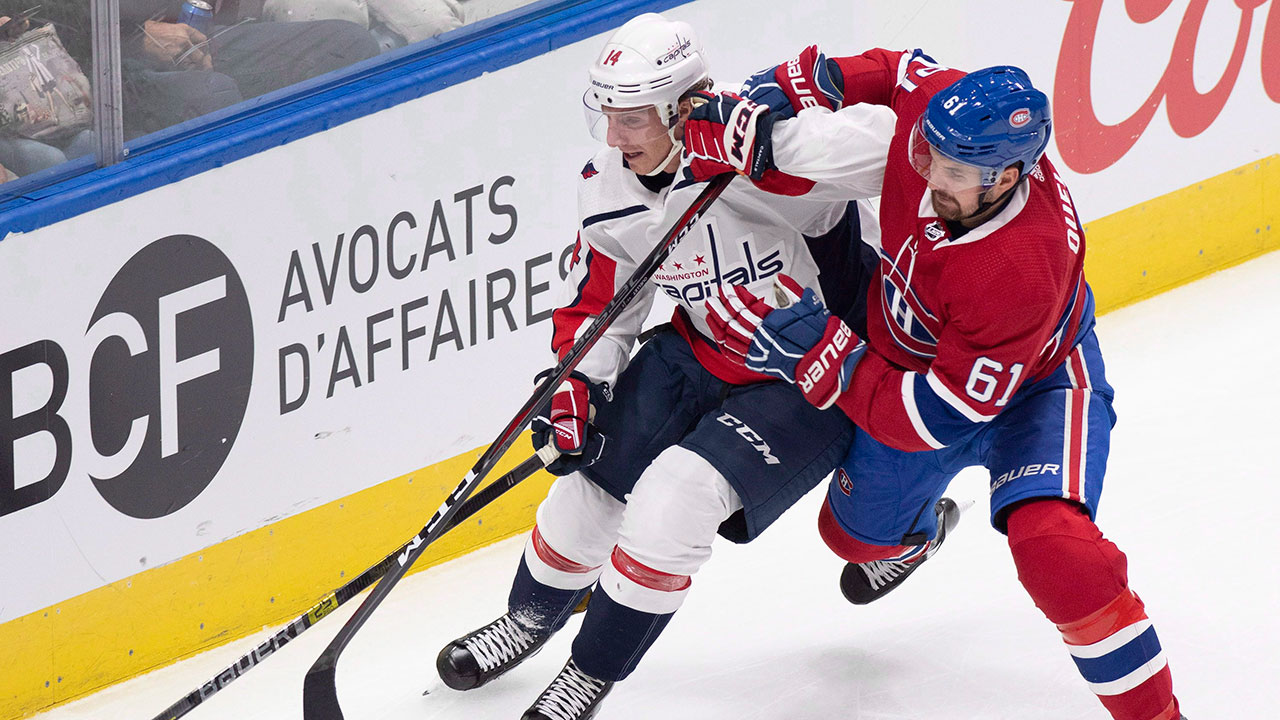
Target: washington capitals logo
<point>697,275</point>
<point>589,171</point>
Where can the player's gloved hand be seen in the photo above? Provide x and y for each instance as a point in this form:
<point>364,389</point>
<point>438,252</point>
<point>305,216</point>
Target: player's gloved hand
<point>808,80</point>
<point>734,315</point>
<point>566,423</point>
<point>728,133</point>
<point>800,341</point>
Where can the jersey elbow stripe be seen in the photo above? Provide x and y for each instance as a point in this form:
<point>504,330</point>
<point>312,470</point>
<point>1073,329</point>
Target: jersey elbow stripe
<point>913,411</point>
<point>955,402</point>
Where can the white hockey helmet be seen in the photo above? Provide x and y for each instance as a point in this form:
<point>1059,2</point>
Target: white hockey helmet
<point>649,61</point>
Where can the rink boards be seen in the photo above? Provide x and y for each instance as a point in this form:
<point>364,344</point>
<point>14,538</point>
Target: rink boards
<point>232,392</point>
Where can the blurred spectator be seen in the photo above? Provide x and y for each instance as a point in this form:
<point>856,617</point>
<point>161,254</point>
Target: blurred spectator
<point>45,99</point>
<point>394,22</point>
<point>172,73</point>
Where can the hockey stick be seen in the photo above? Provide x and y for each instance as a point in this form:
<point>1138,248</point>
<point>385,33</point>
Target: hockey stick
<point>491,492</point>
<point>320,690</point>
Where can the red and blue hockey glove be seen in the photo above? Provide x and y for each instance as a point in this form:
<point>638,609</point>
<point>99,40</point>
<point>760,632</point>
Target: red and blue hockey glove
<point>728,133</point>
<point>566,423</point>
<point>800,342</point>
<point>808,80</point>
<point>735,314</point>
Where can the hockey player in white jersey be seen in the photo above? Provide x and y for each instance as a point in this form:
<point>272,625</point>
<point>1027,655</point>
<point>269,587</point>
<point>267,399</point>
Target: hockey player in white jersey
<point>684,443</point>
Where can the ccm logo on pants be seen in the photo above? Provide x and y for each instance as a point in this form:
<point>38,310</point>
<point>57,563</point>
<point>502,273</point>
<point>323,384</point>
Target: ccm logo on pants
<point>751,436</point>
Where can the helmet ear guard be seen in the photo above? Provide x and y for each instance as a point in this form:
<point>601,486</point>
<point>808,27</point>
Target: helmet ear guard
<point>990,119</point>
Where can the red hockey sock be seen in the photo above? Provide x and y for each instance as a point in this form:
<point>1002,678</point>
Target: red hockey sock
<point>1079,580</point>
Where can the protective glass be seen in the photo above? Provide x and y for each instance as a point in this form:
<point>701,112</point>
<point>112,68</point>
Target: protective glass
<point>944,173</point>
<point>627,126</point>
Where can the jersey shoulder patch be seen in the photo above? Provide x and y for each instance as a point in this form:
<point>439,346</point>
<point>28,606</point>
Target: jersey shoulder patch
<point>589,170</point>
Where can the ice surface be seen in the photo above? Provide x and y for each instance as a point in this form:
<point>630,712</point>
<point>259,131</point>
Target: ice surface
<point>1191,497</point>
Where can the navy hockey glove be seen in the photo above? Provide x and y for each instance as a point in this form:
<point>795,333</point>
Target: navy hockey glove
<point>566,423</point>
<point>800,342</point>
<point>728,133</point>
<point>808,80</point>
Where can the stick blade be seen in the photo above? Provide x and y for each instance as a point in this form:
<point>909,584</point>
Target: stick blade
<point>320,693</point>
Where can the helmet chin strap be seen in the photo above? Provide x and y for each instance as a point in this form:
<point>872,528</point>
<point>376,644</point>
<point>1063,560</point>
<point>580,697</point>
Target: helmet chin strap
<point>985,205</point>
<point>676,147</point>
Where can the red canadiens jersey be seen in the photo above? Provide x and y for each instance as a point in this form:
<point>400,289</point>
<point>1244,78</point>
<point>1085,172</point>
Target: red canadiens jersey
<point>956,324</point>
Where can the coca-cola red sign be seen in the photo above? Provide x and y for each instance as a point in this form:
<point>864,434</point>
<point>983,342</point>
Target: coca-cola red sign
<point>1088,145</point>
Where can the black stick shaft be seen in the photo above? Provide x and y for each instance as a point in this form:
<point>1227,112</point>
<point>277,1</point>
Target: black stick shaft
<point>320,688</point>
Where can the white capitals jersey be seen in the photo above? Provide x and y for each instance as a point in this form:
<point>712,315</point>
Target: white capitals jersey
<point>748,237</point>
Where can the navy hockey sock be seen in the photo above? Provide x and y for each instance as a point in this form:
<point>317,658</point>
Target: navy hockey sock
<point>614,637</point>
<point>539,605</point>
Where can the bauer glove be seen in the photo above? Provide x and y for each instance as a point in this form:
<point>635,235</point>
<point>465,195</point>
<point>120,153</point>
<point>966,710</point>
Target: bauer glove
<point>800,341</point>
<point>808,80</point>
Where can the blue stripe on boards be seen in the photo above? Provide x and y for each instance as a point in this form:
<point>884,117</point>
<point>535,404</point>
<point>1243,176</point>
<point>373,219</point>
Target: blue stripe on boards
<point>312,106</point>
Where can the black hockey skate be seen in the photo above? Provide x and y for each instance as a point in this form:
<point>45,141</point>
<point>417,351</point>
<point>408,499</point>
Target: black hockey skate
<point>573,695</point>
<point>480,656</point>
<point>863,583</point>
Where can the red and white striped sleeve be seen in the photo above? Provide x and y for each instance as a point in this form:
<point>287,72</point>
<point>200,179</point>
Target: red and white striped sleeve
<point>595,276</point>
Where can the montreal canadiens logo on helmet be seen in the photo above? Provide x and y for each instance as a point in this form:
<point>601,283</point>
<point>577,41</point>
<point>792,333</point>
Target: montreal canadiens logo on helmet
<point>1020,117</point>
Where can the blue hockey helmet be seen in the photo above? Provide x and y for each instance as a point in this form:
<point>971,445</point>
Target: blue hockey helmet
<point>989,119</point>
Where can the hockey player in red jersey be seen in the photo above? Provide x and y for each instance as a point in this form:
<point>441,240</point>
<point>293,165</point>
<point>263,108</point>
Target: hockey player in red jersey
<point>980,347</point>
<point>696,444</point>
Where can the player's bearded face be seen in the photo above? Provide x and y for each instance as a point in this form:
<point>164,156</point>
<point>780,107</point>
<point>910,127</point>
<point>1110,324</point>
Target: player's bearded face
<point>955,188</point>
<point>639,134</point>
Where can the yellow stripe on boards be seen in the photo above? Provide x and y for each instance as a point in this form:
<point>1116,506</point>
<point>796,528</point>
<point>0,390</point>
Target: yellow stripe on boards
<point>230,590</point>
<point>1176,238</point>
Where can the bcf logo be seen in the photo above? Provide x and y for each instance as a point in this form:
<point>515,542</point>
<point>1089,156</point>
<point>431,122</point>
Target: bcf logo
<point>170,360</point>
